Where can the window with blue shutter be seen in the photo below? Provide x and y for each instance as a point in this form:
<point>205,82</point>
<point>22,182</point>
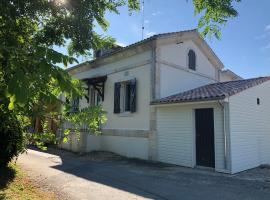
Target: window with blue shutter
<point>133,91</point>
<point>125,96</point>
<point>117,88</point>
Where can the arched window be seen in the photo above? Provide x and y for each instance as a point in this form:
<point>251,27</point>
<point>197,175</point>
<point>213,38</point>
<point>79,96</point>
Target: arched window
<point>191,60</point>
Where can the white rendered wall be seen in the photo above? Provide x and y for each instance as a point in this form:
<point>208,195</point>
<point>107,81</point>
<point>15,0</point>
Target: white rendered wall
<point>173,81</point>
<point>175,76</point>
<point>138,67</point>
<point>132,147</point>
<point>224,77</point>
<point>177,54</point>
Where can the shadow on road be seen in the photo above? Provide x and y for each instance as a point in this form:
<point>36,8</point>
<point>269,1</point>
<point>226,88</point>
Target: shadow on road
<point>157,180</point>
<point>111,170</point>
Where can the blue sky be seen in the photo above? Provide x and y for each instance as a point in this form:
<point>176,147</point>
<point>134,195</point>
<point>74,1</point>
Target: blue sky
<point>245,44</point>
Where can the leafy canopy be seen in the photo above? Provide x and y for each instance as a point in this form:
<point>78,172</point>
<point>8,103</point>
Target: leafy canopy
<point>29,30</point>
<point>214,14</point>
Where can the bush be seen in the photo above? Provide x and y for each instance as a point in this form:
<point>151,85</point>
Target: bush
<point>12,141</point>
<point>42,140</point>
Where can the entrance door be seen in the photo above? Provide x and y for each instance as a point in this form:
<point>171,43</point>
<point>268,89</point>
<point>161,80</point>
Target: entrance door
<point>205,149</point>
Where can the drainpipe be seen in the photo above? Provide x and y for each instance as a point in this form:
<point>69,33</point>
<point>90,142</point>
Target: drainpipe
<point>222,104</point>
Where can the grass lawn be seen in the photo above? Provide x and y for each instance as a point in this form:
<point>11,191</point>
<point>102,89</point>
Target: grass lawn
<point>14,184</point>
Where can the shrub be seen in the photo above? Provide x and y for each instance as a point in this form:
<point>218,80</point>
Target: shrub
<point>42,140</point>
<point>12,141</point>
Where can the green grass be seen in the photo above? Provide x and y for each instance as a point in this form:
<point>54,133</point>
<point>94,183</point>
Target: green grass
<point>15,185</point>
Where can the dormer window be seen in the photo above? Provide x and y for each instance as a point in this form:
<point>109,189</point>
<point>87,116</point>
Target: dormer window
<point>191,60</point>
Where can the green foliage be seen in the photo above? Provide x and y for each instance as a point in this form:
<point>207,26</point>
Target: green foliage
<point>41,140</point>
<point>31,80</point>
<point>44,138</point>
<point>30,77</point>
<point>91,117</point>
<point>214,14</point>
<point>29,29</point>
<point>12,140</point>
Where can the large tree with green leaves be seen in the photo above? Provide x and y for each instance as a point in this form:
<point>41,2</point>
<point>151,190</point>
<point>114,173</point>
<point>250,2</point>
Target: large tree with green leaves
<point>29,29</point>
<point>30,76</point>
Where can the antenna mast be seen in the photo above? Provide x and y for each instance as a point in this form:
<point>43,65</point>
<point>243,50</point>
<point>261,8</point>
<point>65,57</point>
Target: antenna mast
<point>142,19</point>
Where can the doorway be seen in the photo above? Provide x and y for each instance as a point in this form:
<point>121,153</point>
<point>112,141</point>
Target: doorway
<point>205,146</point>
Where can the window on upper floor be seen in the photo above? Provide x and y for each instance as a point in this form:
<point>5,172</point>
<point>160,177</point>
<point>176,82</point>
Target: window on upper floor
<point>191,60</point>
<point>125,96</point>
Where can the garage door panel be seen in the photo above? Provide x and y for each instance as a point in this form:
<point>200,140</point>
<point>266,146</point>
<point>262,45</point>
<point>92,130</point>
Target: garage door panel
<point>175,136</point>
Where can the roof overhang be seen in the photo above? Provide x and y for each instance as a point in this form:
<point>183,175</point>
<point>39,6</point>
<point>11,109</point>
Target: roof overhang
<point>186,103</point>
<point>232,74</point>
<point>95,80</point>
<point>193,101</point>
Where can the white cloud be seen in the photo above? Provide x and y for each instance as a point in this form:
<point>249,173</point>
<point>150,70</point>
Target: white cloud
<point>150,33</point>
<point>136,29</point>
<point>267,28</point>
<point>157,13</point>
<point>122,44</point>
<point>267,46</point>
<point>146,21</point>
<point>264,35</point>
<point>259,37</point>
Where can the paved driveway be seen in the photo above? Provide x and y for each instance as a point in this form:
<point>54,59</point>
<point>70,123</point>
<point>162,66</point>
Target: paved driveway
<point>90,177</point>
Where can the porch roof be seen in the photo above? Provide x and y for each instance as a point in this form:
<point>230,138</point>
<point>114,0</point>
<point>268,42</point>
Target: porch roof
<point>215,91</point>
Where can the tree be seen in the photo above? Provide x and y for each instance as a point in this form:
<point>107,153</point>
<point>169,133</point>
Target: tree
<point>214,14</point>
<point>29,66</point>
<point>30,29</point>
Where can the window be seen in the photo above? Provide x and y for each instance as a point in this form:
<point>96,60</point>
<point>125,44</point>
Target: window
<point>125,96</point>
<point>75,105</point>
<point>258,101</point>
<point>191,60</point>
<point>95,98</point>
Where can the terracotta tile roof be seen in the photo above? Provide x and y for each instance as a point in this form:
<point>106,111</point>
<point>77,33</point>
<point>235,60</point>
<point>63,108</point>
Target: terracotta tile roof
<point>215,91</point>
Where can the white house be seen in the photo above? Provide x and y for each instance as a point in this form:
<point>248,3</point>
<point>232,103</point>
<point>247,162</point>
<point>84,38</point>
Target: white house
<point>168,99</point>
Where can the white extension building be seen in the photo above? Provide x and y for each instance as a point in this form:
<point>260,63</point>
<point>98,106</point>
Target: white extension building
<point>168,99</point>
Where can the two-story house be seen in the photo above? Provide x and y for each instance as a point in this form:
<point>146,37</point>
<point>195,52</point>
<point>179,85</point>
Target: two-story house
<point>168,99</point>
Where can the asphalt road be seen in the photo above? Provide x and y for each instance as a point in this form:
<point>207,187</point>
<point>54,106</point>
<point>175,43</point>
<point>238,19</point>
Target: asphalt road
<point>78,177</point>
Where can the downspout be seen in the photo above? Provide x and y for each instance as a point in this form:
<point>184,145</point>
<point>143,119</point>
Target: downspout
<point>222,104</point>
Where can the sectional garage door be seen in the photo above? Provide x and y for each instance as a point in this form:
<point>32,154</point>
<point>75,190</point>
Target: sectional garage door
<point>175,135</point>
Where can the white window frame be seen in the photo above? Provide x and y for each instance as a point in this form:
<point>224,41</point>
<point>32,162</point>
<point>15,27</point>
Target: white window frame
<point>94,97</point>
<point>123,97</point>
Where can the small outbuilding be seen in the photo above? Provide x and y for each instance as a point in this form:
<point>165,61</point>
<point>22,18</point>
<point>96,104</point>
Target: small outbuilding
<point>225,126</point>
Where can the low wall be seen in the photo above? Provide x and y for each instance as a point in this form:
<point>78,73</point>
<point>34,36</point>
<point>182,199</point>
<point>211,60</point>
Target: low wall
<point>133,144</point>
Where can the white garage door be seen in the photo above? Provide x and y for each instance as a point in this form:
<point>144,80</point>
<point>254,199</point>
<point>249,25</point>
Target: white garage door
<point>175,135</point>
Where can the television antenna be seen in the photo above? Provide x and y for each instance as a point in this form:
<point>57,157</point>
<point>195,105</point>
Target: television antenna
<point>142,19</point>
